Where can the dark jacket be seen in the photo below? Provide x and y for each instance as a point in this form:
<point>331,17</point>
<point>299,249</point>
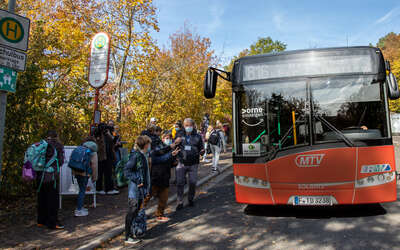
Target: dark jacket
<point>109,143</point>
<point>190,149</point>
<point>161,164</point>
<point>137,169</point>
<point>156,142</point>
<point>146,132</point>
<point>55,144</point>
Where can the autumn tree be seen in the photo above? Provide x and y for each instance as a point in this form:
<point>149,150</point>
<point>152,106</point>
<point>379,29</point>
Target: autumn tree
<point>169,84</point>
<point>129,24</point>
<point>390,46</point>
<point>262,46</point>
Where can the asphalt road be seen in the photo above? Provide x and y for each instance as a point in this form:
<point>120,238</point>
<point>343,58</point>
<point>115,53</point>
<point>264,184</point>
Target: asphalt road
<point>218,222</point>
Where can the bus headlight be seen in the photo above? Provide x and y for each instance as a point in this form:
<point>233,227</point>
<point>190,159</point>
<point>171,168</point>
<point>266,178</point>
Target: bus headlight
<point>375,180</point>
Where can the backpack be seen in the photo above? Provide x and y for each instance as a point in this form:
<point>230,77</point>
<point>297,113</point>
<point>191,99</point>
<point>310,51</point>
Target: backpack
<point>35,161</point>
<point>80,160</point>
<point>214,138</point>
<point>139,224</point>
<point>119,170</point>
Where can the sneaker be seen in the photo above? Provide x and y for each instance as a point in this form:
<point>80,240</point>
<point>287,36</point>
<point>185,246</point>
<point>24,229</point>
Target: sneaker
<point>83,209</point>
<point>101,192</point>
<point>80,213</point>
<point>132,241</point>
<point>162,219</point>
<point>113,192</point>
<point>57,227</point>
<point>191,203</point>
<point>179,207</point>
<point>206,161</point>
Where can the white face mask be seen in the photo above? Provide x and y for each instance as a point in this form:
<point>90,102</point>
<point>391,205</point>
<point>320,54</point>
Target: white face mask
<point>168,141</point>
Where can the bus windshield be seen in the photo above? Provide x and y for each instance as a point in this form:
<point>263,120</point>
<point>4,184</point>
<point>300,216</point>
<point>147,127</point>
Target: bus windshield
<point>353,105</point>
<point>277,115</point>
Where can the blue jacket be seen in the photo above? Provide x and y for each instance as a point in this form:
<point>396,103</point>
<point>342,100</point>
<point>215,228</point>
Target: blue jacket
<point>137,171</point>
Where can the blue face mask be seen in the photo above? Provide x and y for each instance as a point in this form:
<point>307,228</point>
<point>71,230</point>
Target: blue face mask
<point>189,129</point>
<point>177,129</point>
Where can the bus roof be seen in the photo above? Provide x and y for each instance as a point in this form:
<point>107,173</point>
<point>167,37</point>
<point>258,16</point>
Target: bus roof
<point>290,52</point>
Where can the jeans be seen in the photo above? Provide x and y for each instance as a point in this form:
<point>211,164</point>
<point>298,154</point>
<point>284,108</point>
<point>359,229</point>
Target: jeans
<point>215,152</point>
<point>181,171</point>
<point>82,182</point>
<point>205,149</point>
<point>225,142</point>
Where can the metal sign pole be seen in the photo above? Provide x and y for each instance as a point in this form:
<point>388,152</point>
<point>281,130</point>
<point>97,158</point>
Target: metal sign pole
<point>96,105</point>
<point>3,103</point>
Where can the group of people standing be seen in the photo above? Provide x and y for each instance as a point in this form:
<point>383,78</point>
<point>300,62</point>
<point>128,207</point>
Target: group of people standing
<point>151,161</point>
<point>155,154</point>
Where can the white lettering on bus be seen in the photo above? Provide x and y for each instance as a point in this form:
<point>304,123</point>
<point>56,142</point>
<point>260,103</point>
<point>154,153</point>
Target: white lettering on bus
<point>311,160</point>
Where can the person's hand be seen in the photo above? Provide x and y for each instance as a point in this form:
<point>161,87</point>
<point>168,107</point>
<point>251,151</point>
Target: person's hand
<point>202,152</point>
<point>176,142</point>
<point>176,151</point>
<point>140,185</point>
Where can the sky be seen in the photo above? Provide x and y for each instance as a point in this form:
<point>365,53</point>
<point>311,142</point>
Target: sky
<point>233,25</point>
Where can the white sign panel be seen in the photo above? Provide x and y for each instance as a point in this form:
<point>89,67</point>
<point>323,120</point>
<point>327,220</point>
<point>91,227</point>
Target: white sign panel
<point>12,59</point>
<point>251,149</point>
<point>14,30</point>
<point>67,187</point>
<point>395,122</point>
<point>99,60</point>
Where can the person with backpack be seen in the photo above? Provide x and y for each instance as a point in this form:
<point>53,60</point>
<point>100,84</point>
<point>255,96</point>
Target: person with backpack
<point>215,140</point>
<point>204,128</point>
<point>47,182</point>
<point>89,163</point>
<point>138,173</point>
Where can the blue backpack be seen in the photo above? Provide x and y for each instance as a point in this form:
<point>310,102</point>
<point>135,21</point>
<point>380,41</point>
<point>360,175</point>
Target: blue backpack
<point>80,160</point>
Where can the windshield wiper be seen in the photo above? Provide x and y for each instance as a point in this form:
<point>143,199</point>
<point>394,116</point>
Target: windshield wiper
<point>348,141</point>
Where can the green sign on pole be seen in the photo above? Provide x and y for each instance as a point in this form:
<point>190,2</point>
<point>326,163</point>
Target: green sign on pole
<point>8,79</point>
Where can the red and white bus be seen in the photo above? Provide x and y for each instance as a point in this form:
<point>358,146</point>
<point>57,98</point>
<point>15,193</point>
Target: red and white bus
<point>312,127</point>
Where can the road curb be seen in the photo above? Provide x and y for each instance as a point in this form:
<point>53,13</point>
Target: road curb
<point>120,229</point>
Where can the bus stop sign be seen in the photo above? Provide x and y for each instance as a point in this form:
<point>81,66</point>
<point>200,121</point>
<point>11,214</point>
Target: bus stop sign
<point>14,30</point>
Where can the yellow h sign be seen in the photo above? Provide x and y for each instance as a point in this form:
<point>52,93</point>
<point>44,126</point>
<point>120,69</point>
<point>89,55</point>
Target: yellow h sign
<point>11,30</point>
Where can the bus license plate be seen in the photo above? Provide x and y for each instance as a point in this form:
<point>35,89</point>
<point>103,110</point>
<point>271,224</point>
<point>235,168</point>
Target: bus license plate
<point>312,201</point>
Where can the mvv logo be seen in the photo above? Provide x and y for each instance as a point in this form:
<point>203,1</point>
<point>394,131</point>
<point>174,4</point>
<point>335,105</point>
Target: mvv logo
<point>306,161</point>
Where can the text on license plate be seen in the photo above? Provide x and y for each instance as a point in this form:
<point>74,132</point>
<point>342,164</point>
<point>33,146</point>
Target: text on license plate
<point>312,201</point>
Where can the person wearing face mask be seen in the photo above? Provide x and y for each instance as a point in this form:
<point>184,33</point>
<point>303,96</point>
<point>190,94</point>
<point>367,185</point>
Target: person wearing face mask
<point>138,173</point>
<point>162,160</point>
<point>177,130</point>
<point>189,158</point>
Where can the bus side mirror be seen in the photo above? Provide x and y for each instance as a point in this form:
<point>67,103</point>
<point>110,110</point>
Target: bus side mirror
<point>392,86</point>
<point>210,83</point>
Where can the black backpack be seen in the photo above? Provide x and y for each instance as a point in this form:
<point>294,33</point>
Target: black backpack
<point>214,138</point>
